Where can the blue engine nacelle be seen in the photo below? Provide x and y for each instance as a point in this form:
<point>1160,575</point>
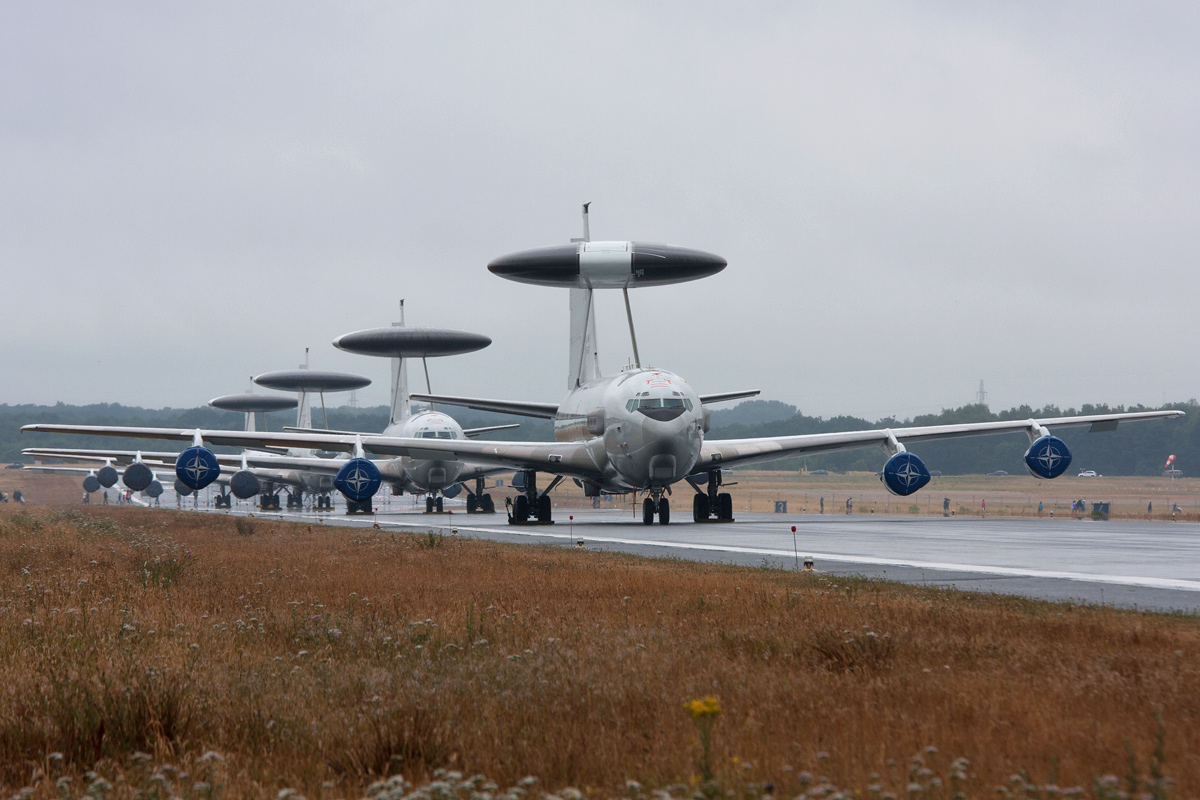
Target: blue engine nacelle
<point>91,484</point>
<point>197,467</point>
<point>244,484</point>
<point>155,489</point>
<point>1048,457</point>
<point>452,491</point>
<point>904,474</point>
<point>182,489</point>
<point>137,476</point>
<point>107,476</point>
<point>358,480</point>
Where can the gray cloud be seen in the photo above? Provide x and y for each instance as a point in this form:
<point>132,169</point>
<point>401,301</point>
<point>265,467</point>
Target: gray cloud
<point>910,197</point>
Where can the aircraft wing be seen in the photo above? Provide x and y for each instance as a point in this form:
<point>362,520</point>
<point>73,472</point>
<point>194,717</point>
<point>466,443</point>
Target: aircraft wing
<point>519,407</point>
<point>164,459</point>
<point>739,452</point>
<point>565,458</point>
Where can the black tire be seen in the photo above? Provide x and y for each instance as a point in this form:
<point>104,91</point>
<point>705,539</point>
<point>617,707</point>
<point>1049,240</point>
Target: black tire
<point>664,511</point>
<point>489,505</point>
<point>521,509</point>
<point>648,511</point>
<point>472,503</point>
<point>725,500</point>
<point>437,504</point>
<point>545,509</point>
<point>699,507</point>
<point>428,505</point>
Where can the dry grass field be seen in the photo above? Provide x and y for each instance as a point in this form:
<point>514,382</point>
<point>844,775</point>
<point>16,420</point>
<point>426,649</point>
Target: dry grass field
<point>155,654</point>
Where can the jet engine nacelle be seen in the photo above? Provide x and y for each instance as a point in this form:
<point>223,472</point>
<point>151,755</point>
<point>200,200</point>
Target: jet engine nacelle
<point>358,479</point>
<point>197,467</point>
<point>155,489</point>
<point>904,474</point>
<point>91,484</point>
<point>1048,457</point>
<point>107,476</point>
<point>244,484</point>
<point>137,476</point>
<point>453,490</point>
<point>182,489</point>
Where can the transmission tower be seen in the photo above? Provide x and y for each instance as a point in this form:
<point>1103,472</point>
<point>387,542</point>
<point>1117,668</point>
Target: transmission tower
<point>981,395</point>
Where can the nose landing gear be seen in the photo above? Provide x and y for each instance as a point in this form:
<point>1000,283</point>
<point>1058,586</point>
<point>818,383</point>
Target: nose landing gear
<point>433,505</point>
<point>656,503</point>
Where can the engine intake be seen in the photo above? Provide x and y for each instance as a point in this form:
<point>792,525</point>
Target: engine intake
<point>1048,457</point>
<point>358,480</point>
<point>137,476</point>
<point>244,484</point>
<point>197,467</point>
<point>904,474</point>
<point>107,476</point>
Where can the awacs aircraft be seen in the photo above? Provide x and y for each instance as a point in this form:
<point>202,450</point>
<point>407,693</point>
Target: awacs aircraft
<point>298,468</point>
<point>642,429</point>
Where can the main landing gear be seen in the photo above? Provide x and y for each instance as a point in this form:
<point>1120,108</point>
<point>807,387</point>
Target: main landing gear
<point>323,502</point>
<point>656,503</point>
<point>709,505</point>
<point>295,500</point>
<point>479,501</point>
<point>531,503</point>
<point>359,506</point>
<point>223,500</point>
<point>268,501</point>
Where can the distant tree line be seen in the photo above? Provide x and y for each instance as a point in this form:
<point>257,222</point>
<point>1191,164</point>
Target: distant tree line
<point>1133,449</point>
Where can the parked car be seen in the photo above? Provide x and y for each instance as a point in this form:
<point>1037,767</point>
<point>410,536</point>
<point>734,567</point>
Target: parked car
<point>1088,473</point>
<point>997,474</point>
<point>935,473</point>
<point>15,465</point>
<point>818,472</point>
<point>1172,473</point>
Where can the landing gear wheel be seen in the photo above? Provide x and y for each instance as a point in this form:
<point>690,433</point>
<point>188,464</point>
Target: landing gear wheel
<point>489,506</point>
<point>437,504</point>
<point>664,511</point>
<point>521,509</point>
<point>428,505</point>
<point>725,506</point>
<point>472,504</point>
<point>699,507</point>
<point>648,511</point>
<point>544,508</point>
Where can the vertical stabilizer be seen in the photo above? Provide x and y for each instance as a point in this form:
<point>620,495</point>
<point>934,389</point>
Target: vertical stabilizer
<point>584,363</point>
<point>400,407</point>
<point>304,410</point>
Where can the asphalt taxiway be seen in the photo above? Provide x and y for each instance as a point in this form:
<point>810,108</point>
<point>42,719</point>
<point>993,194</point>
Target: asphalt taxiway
<point>1150,565</point>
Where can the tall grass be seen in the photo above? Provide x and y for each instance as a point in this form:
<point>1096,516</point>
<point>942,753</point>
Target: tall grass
<point>323,659</point>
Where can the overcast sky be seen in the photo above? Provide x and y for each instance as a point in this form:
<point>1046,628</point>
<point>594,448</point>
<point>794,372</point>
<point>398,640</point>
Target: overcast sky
<point>910,197</point>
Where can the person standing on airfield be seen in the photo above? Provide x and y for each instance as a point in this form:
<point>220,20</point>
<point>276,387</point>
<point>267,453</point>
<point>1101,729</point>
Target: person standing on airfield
<point>822,504</point>
<point>983,508</point>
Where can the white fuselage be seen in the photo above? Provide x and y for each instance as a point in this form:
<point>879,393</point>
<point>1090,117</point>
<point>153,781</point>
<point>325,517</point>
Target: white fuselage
<point>643,427</point>
<point>421,475</point>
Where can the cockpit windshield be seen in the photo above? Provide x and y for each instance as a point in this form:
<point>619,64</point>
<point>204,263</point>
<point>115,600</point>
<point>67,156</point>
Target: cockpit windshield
<point>642,401</point>
<point>428,434</point>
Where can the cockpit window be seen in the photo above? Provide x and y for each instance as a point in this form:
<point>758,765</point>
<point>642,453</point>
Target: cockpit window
<point>444,435</point>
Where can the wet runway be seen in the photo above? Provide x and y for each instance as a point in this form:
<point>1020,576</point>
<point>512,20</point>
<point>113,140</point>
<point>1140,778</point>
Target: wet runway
<point>1152,565</point>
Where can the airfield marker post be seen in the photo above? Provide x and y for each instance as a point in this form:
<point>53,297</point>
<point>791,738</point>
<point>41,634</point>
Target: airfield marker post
<point>795,548</point>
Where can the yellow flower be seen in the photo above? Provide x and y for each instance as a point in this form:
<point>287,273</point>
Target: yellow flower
<point>706,708</point>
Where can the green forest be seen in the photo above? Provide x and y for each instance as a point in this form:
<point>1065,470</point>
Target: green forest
<point>1133,449</point>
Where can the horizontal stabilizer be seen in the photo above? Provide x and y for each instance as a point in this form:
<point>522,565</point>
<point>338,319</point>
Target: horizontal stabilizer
<point>470,433</point>
<point>721,397</point>
<point>518,407</point>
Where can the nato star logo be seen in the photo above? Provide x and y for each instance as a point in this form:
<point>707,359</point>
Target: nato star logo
<point>358,479</point>
<point>197,468</point>
<point>1049,457</point>
<point>908,474</point>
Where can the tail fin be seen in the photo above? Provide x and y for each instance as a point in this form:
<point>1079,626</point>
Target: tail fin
<point>585,364</point>
<point>400,407</point>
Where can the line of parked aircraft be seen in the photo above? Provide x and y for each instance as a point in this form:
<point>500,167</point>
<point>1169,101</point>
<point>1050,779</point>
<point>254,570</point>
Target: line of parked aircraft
<point>640,430</point>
